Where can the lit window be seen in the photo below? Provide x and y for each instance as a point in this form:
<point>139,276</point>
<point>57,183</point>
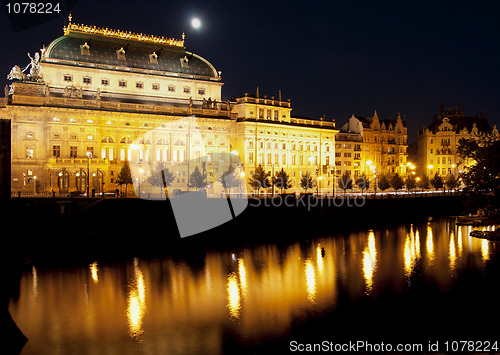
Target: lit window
<point>73,151</point>
<point>56,151</point>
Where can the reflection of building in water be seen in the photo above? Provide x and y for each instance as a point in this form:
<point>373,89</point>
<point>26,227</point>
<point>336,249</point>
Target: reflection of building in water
<point>369,261</point>
<point>411,251</point>
<point>136,303</point>
<point>103,89</point>
<point>170,303</point>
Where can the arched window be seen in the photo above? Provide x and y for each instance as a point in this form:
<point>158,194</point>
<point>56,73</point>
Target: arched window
<point>107,140</point>
<point>143,140</point>
<point>179,142</point>
<point>63,180</point>
<point>81,180</point>
<point>126,140</point>
<point>98,180</point>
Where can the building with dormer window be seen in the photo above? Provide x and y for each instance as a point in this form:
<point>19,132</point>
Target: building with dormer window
<point>438,143</point>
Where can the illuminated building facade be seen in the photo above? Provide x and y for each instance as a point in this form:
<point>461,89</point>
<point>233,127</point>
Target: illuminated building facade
<point>370,146</point>
<point>266,134</point>
<point>93,97</point>
<point>438,143</point>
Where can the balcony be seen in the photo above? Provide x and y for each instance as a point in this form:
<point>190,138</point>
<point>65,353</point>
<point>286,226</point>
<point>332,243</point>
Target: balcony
<point>77,161</point>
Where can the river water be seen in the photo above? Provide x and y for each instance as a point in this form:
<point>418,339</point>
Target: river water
<point>420,282</point>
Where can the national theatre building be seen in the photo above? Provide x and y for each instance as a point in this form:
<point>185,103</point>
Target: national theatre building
<point>90,100</point>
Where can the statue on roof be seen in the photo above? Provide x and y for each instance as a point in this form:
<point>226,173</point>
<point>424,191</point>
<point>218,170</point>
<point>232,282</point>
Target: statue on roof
<point>35,71</point>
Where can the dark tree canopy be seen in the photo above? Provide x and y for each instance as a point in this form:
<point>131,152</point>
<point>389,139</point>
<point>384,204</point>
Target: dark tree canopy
<point>397,182</point>
<point>437,182</point>
<point>307,182</point>
<point>259,179</point>
<point>197,179</point>
<point>482,177</point>
<point>384,183</point>
<point>345,181</point>
<point>411,182</point>
<point>282,180</point>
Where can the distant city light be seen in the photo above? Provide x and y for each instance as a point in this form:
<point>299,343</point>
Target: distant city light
<point>196,23</point>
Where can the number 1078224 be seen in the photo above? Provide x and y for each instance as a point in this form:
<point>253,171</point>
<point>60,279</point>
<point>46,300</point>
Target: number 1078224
<point>33,8</point>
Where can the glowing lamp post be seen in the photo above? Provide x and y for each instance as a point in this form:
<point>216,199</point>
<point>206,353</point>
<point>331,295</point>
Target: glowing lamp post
<point>89,156</point>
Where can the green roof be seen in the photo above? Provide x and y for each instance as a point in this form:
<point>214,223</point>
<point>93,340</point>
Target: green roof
<point>103,50</point>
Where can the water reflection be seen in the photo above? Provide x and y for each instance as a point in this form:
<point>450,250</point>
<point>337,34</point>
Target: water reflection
<point>168,304</point>
<point>453,255</point>
<point>429,245</point>
<point>136,303</point>
<point>93,272</point>
<point>310,281</point>
<point>233,296</point>
<point>412,250</point>
<point>369,261</point>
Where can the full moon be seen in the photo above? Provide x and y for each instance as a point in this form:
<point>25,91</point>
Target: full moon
<point>196,23</point>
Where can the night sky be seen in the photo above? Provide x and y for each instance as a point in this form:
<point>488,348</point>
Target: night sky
<point>332,58</point>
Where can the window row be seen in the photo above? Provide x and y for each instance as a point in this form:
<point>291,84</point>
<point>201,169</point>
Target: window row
<point>179,155</point>
<point>284,145</point>
<point>283,159</point>
<point>138,84</point>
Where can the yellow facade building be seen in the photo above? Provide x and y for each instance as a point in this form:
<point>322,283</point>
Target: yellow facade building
<point>438,143</point>
<point>95,98</point>
<point>371,146</point>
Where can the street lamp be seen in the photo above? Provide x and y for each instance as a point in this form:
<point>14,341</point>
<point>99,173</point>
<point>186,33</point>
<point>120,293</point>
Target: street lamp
<point>34,184</point>
<point>318,185</point>
<point>89,156</point>
<point>141,171</point>
<point>430,167</point>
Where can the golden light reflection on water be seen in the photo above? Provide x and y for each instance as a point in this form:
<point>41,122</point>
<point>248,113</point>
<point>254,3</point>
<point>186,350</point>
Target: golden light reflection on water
<point>412,250</point>
<point>319,259</point>
<point>369,261</point>
<point>453,255</point>
<point>310,281</point>
<point>180,304</point>
<point>93,272</point>
<point>233,296</point>
<point>243,276</point>
<point>136,303</point>
<point>485,249</point>
<point>430,244</point>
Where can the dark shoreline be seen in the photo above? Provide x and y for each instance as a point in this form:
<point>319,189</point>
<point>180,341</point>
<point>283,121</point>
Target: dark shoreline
<point>90,227</point>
